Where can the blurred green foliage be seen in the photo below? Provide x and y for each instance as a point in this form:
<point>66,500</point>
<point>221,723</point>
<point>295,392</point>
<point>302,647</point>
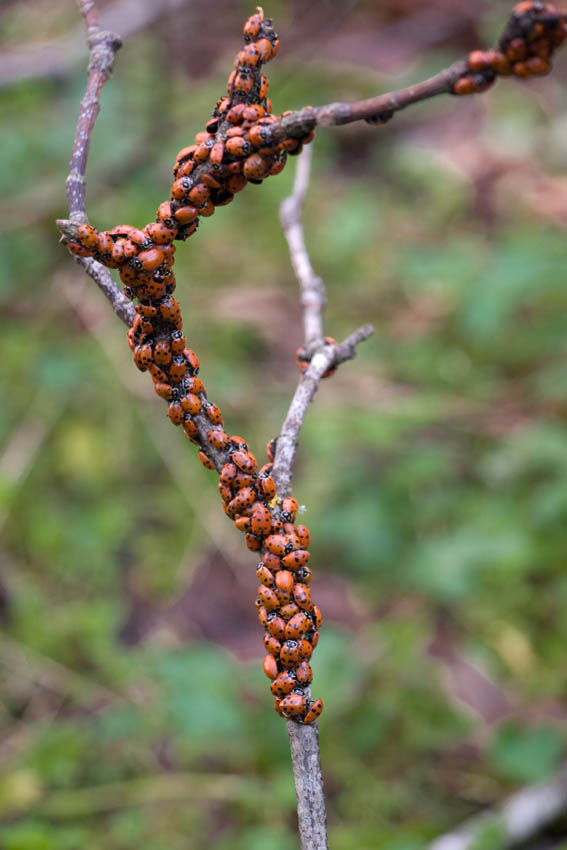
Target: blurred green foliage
<point>432,468</point>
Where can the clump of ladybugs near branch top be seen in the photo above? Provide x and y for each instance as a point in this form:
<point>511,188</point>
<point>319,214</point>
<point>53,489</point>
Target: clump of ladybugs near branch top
<point>228,154</point>
<point>525,48</point>
<point>237,147</point>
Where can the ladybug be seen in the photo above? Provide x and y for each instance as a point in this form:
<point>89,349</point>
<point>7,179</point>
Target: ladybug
<point>304,575</point>
<point>78,249</point>
<point>252,542</point>
<point>264,86</point>
<point>245,461</point>
<point>145,355</point>
<point>104,244</point>
<point>236,183</point>
<point>284,596</point>
<point>271,448</point>
<point>263,573</point>
<point>206,461</point>
<point>176,413</point>
<point>185,215</point>
<point>264,48</point>
<point>180,189</point>
<point>207,209</point>
<point>272,645</point>
<point>267,486</point>
<point>294,705</point>
<point>279,164</point>
<point>193,361</point>
<point>243,82</point>
<point>305,649</point>
<point>290,653</point>
<point>270,667</point>
<point>275,625</point>
<point>271,561</point>
<point>478,60</point>
<point>225,492</point>
<point>217,439</point>
<point>194,385</point>
<point>162,353</point>
<point>289,610</point>
<point>304,673</point>
<point>158,375</point>
<point>165,215</point>
<point>217,153</point>
<point>517,50</point>
<point>314,639</point>
<point>148,261</point>
<point>243,499</point>
<point>256,167</point>
<point>289,506</point>
<point>199,195</point>
<point>268,598</point>
<point>314,712</point>
<point>295,559</point>
<point>191,404</point>
<point>262,614</point>
<point>298,626</point>
<point>261,520</point>
<point>191,430</point>
<point>163,390</point>
<point>238,146</point>
<point>170,310</point>
<point>276,544</point>
<point>227,474</point>
<point>283,684</point>
<point>253,25</point>
<point>177,342</point>
<point>160,234</point>
<point>242,523</point>
<point>303,536</point>
<point>210,181</point>
<point>253,112</point>
<point>302,596</point>
<point>241,479</point>
<point>235,115</point>
<point>284,581</point>
<point>177,369</point>
<point>127,275</point>
<point>203,150</point>
<point>317,618</point>
<point>87,236</point>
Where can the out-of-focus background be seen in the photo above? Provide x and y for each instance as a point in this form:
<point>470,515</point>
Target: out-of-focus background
<point>133,710</point>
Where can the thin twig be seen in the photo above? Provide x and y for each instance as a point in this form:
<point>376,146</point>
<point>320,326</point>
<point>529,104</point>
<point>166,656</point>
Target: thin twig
<point>103,46</point>
<point>326,356</point>
<point>521,817</point>
<point>313,296</point>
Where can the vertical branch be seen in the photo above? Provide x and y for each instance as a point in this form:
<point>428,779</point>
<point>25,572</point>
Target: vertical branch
<point>313,297</point>
<point>103,46</point>
<point>304,740</point>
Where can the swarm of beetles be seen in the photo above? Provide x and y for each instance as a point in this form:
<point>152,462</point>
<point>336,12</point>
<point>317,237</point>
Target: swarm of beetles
<point>228,154</point>
<point>525,48</point>
<point>234,149</point>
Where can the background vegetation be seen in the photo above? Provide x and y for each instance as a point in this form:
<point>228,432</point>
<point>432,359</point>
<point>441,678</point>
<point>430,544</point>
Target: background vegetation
<point>133,709</point>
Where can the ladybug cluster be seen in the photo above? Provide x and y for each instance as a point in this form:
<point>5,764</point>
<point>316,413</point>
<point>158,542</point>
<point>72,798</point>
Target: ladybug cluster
<point>232,151</point>
<point>535,30</point>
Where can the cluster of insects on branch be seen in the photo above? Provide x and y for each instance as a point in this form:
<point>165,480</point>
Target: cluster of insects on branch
<point>228,154</point>
<point>236,148</point>
<point>525,48</point>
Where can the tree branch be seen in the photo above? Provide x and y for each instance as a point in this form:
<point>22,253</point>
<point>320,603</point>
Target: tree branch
<point>522,816</point>
<point>313,296</point>
<point>304,740</point>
